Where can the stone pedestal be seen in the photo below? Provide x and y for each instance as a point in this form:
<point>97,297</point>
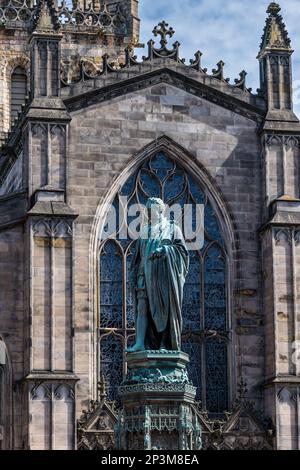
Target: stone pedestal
<point>158,399</point>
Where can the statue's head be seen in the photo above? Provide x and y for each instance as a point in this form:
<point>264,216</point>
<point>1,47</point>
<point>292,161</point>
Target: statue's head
<point>156,203</point>
<point>156,208</point>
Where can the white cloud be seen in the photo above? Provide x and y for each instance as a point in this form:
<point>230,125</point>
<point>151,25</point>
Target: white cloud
<point>229,30</point>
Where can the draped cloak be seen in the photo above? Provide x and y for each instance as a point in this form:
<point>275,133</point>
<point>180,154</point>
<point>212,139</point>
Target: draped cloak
<point>164,282</point>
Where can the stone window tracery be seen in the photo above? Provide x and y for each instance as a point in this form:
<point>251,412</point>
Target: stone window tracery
<point>205,306</point>
<point>18,90</point>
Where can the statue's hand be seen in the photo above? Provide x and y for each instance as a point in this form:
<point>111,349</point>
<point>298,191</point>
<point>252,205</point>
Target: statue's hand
<point>159,253</point>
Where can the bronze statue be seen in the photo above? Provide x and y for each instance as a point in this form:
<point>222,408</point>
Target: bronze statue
<point>157,273</point>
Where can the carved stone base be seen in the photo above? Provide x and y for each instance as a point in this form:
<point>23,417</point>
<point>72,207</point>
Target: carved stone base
<point>158,404</point>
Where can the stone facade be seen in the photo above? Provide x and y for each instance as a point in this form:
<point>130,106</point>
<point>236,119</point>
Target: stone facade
<point>89,121</point>
<point>107,29</point>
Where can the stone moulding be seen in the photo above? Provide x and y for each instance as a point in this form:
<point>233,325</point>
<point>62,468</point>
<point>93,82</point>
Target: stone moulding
<point>152,358</point>
<point>171,77</point>
<point>158,387</point>
<point>54,228</point>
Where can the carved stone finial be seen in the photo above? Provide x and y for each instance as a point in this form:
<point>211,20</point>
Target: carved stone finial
<point>273,8</point>
<point>163,30</point>
<point>45,17</point>
<point>102,387</point>
<point>242,389</point>
<point>275,35</point>
<point>241,82</point>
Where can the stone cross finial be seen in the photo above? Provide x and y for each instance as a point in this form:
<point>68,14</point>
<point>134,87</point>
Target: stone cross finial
<point>163,30</point>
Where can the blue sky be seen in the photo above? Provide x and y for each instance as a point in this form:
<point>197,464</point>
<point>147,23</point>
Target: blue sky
<point>229,30</point>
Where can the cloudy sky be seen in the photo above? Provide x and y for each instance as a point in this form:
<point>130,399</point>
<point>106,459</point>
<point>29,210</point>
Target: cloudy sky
<point>229,30</point>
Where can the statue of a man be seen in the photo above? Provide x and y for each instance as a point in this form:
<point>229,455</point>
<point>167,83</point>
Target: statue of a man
<point>157,273</point>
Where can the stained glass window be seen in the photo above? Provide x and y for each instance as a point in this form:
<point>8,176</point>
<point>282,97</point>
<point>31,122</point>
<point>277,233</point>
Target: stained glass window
<point>205,324</point>
<point>111,355</point>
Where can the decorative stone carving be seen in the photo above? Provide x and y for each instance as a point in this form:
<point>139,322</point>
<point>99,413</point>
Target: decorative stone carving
<point>158,409</point>
<point>275,35</point>
<point>76,70</point>
<point>39,130</point>
<point>110,17</point>
<point>240,429</point>
<point>292,141</point>
<point>64,392</point>
<point>273,140</point>
<point>96,426</point>
<point>48,391</point>
<point>287,395</point>
<point>52,228</point>
<point>57,130</point>
<point>297,237</point>
<point>40,391</point>
<point>163,30</point>
<point>243,428</point>
<point>282,236</point>
<point>156,375</point>
<point>288,140</point>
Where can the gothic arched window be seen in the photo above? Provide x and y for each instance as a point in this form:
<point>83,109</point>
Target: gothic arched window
<point>18,91</point>
<point>205,306</point>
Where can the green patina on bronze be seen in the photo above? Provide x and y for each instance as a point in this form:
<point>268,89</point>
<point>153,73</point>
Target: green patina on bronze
<point>158,272</point>
<point>152,367</point>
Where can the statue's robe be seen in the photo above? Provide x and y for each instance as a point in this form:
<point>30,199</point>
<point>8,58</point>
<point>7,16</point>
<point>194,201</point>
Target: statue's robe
<point>164,281</point>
